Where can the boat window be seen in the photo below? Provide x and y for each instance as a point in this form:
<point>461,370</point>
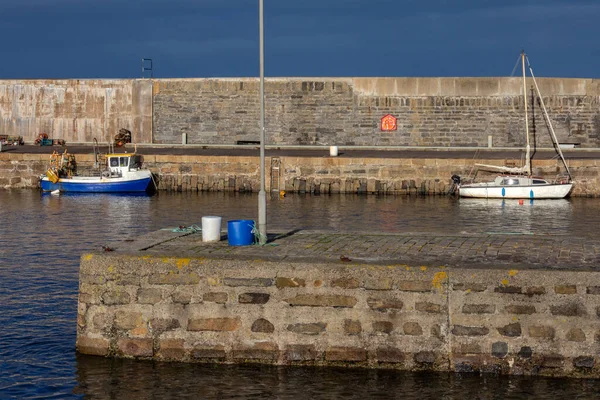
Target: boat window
<point>114,162</point>
<point>136,162</point>
<point>510,181</point>
<point>539,182</point>
<point>124,161</point>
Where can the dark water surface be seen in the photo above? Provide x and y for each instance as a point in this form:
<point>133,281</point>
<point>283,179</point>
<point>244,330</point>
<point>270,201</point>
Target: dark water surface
<point>42,237</point>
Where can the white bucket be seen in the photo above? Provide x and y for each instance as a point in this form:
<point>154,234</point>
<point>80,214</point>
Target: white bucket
<point>211,229</point>
<point>333,151</point>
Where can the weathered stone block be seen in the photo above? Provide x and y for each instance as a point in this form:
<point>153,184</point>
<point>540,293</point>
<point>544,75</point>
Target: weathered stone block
<point>469,348</point>
<point>149,295</point>
<point>389,355</point>
<point>469,286</point>
<point>525,352</point>
<point>584,362</point>
<point>215,297</point>
<point>478,309</point>
<point>214,324</point>
<point>300,352</point>
<point>569,310</point>
<point>253,282</point>
<point>128,320</point>
<point>352,327</point>
<point>520,309</point>
<point>428,307</point>
<point>345,283</point>
<point>161,325</point>
<point>565,289</point>
<point>542,332</point>
<point>182,278</point>
<point>379,304</point>
<point>508,289</point>
<point>289,282</point>
<point>253,298</point>
<point>499,349</point>
<point>135,347</point>
<point>436,331</point>
<point>316,300</point>
<point>412,328</point>
<point>383,327</point>
<point>262,325</point>
<point>116,297</point>
<point>378,284</point>
<point>308,328</point>
<point>414,286</point>
<point>102,321</point>
<point>209,352</point>
<point>425,357</point>
<point>552,361</point>
<point>181,297</point>
<point>535,291</point>
<point>593,290</point>
<point>510,330</point>
<point>171,349</point>
<point>267,351</point>
<point>346,354</point>
<point>575,335</point>
<point>92,346</point>
<point>460,330</point>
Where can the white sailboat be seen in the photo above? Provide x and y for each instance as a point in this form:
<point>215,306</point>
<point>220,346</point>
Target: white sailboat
<point>518,182</point>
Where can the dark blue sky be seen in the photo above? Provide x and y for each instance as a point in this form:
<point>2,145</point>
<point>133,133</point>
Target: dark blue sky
<point>219,38</point>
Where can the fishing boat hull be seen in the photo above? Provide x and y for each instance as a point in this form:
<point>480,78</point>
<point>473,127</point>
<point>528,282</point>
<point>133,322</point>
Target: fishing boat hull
<point>97,184</point>
<point>493,191</point>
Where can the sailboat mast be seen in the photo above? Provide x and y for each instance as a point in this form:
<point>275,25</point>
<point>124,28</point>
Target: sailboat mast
<point>551,128</point>
<point>527,147</point>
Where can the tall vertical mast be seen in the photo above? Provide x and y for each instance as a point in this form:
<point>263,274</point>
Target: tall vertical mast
<point>527,147</point>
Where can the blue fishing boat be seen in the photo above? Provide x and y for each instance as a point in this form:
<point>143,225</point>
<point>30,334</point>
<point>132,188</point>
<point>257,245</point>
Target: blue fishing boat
<point>123,173</point>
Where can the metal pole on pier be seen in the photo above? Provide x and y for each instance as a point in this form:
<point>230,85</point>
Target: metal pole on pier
<point>262,195</point>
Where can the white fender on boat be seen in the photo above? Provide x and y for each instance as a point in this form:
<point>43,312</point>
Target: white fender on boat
<point>57,191</point>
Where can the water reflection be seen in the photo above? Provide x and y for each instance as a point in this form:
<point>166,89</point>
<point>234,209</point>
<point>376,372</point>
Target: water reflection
<point>103,378</point>
<point>540,217</point>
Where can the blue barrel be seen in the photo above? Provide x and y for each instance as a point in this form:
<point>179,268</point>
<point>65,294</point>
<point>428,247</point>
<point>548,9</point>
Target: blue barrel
<point>239,232</point>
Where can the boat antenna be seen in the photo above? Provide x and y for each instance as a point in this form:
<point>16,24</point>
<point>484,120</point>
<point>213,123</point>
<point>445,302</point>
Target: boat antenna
<point>527,147</point>
<point>548,122</point>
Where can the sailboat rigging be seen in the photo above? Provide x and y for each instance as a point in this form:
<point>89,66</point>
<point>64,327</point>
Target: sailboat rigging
<point>518,182</point>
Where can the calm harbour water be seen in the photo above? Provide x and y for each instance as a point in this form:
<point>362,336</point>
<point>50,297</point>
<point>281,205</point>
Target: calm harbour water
<point>42,237</point>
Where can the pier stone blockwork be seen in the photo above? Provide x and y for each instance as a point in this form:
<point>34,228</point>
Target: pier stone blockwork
<point>410,317</point>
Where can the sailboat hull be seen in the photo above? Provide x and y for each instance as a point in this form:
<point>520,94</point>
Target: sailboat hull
<point>494,191</point>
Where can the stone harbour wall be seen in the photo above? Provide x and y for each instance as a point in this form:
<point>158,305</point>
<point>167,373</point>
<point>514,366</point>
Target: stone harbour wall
<point>316,175</point>
<point>445,112</point>
<point>407,317</point>
<point>430,112</point>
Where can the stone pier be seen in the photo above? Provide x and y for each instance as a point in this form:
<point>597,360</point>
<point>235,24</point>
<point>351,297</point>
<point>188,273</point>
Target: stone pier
<point>518,305</point>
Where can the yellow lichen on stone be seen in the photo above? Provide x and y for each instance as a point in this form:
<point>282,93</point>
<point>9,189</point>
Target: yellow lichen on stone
<point>111,268</point>
<point>212,281</point>
<point>504,282</point>
<point>513,272</point>
<point>87,257</point>
<point>423,268</point>
<point>182,262</point>
<point>438,279</point>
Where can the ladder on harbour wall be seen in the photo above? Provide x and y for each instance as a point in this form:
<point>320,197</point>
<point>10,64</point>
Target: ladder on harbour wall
<point>275,174</point>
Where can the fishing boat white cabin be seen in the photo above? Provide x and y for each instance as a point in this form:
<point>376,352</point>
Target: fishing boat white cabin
<point>123,173</point>
<point>518,182</point>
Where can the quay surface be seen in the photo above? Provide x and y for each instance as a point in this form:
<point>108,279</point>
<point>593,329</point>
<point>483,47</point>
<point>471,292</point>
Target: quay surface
<point>509,304</point>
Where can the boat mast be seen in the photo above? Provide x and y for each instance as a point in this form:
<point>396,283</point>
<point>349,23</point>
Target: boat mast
<point>527,148</point>
<point>551,128</point>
